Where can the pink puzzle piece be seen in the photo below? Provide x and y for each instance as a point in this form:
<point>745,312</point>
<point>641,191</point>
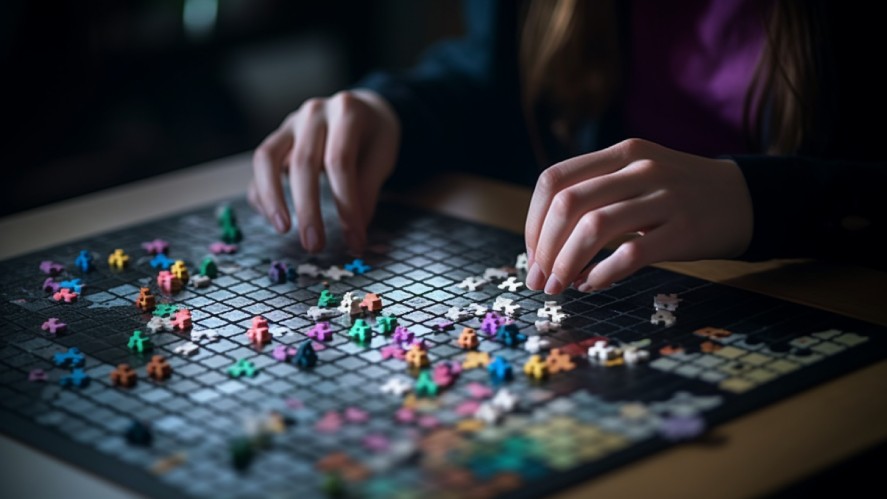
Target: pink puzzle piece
<point>467,408</point>
<point>356,415</point>
<point>376,443</point>
<point>329,423</point>
<point>479,391</point>
<point>54,326</point>
<point>222,248</point>
<point>65,295</point>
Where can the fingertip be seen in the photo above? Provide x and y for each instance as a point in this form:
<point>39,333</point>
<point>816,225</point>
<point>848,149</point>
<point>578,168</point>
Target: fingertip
<point>281,222</point>
<point>311,239</point>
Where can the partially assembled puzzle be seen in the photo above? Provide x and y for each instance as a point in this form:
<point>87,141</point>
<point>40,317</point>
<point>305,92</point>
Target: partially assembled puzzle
<point>204,356</point>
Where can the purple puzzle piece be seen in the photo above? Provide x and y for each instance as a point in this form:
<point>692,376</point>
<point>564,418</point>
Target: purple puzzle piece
<point>322,331</point>
<point>277,272</point>
<point>51,268</point>
<point>156,246</point>
<point>50,286</point>
<point>491,323</point>
<point>54,326</point>
<point>283,353</point>
<point>37,375</point>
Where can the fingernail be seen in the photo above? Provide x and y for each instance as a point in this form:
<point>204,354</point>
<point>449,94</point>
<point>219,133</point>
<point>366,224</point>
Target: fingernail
<point>534,278</point>
<point>584,288</point>
<point>311,239</point>
<point>553,286</point>
<point>279,222</point>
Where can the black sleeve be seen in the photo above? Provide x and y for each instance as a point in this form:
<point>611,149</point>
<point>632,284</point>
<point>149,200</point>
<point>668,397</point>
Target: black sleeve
<point>459,106</point>
<point>827,209</point>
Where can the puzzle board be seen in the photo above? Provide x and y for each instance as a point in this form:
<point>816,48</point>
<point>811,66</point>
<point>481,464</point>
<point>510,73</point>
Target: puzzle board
<point>240,420</point>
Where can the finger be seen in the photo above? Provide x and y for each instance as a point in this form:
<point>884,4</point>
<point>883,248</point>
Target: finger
<point>268,161</point>
<point>594,230</point>
<point>341,167</point>
<point>655,246</point>
<point>570,204</point>
<point>564,174</point>
<point>305,167</point>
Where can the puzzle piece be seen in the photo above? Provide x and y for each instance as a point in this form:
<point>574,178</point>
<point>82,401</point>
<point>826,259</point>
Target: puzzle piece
<point>219,248</point>
<point>326,299</point>
<point>156,246</point>
<point>349,305</point>
<point>124,376</point>
<point>181,321</point>
<point>71,358</point>
<point>478,310</point>
<point>337,273</point>
<point>138,342</point>
<point>322,331</point>
<point>504,400</point>
<point>65,295</point>
<point>37,375</point>
<point>54,326</point>
<point>500,370</point>
<point>468,340</point>
<point>243,367</point>
<point>666,302</point>
<point>511,284</point>
<point>77,378</point>
<point>535,367</point>
<point>205,335</point>
<point>602,351</point>
<point>50,286</point>
<point>536,344</point>
<point>425,385</point>
<point>277,272</point>
<point>159,324</point>
<point>161,261</point>
<point>506,306</point>
<point>306,357</point>
<point>118,260</point>
<point>472,283</point>
<point>559,361</point>
<point>186,349</point>
<point>392,352</point>
<point>397,386</point>
<point>258,334</point>
<point>663,317</point>
<point>386,324</point>
<point>371,303</point>
<point>474,360</point>
<point>491,323</point>
<point>159,369</point>
<point>546,326</point>
<point>360,331</point>
<point>319,313</point>
<point>283,353</point>
<point>509,335</point>
<point>76,285</point>
<point>521,262</point>
<point>146,301</point>
<point>458,314</point>
<point>180,271</point>
<point>84,261</point>
<point>201,281</point>
<point>168,283</point>
<point>165,309</point>
<point>308,270</point>
<point>357,266</point>
<point>445,373</point>
<point>634,355</point>
<point>552,312</point>
<point>416,357</point>
<point>489,414</point>
<point>51,268</point>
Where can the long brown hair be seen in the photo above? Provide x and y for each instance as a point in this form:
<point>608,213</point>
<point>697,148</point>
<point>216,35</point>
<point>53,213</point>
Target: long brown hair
<point>571,70</point>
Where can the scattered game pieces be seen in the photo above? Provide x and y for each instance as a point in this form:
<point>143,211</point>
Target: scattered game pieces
<point>511,284</point>
<point>349,305</point>
<point>663,317</point>
<point>397,386</point>
<point>559,361</point>
<point>444,374</point>
<point>386,324</point>
<point>521,262</point>
<point>458,314</point>
<point>443,326</point>
<point>180,271</point>
<point>201,281</point>
<point>492,273</point>
<point>425,385</point>
<point>509,335</point>
<point>468,340</point>
<point>186,349</point>
<point>536,344</point>
<point>283,353</point>
<point>506,306</point>
<point>666,302</point>
<point>326,299</point>
<point>181,320</point>
<point>545,326</point>
<point>205,335</point>
<point>360,331</point>
<point>416,356</point>
<point>50,285</point>
<point>320,313</point>
<point>552,311</point>
<point>322,331</point>
<point>474,360</point>
<point>500,370</point>
<point>371,303</point>
<point>54,326</point>
<point>76,285</point>
<point>38,375</point>
<point>472,283</point>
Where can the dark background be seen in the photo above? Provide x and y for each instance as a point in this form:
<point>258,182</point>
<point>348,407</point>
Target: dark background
<point>101,93</point>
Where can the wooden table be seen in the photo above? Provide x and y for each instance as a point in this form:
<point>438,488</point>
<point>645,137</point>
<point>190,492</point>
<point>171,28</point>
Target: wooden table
<point>759,453</point>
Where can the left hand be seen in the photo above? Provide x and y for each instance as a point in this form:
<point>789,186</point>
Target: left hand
<point>684,207</point>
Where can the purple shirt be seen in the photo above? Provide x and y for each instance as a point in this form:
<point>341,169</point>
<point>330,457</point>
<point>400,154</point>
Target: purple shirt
<point>690,69</point>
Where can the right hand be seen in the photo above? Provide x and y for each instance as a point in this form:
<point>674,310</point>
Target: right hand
<point>354,137</point>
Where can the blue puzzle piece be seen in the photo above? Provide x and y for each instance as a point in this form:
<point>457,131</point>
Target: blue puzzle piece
<point>509,335</point>
<point>161,261</point>
<point>84,261</point>
<point>75,285</point>
<point>72,358</point>
<point>357,266</point>
<point>77,378</point>
<point>306,357</point>
<point>500,370</point>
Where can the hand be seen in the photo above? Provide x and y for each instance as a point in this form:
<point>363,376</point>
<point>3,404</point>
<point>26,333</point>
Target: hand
<point>353,136</point>
<point>683,207</point>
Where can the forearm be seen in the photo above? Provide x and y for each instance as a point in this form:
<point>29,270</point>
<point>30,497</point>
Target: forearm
<point>806,207</point>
